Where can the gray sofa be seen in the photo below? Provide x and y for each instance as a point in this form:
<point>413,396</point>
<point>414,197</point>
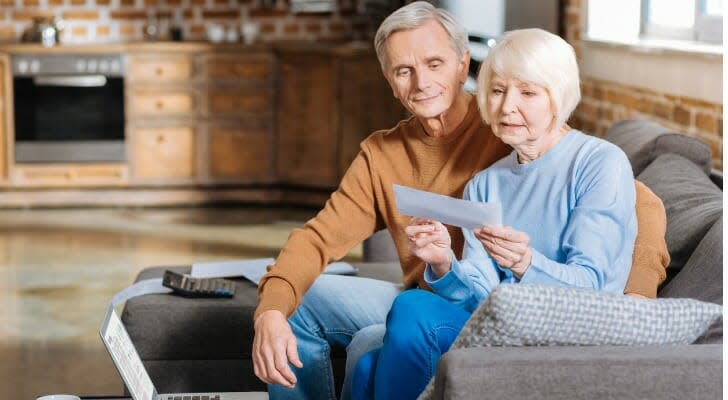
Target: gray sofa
<point>204,344</point>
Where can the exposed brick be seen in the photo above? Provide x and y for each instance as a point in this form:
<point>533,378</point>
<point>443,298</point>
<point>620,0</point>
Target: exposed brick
<point>129,14</point>
<point>706,122</point>
<point>152,2</point>
<point>78,2</point>
<point>221,14</point>
<point>267,27</point>
<point>103,30</point>
<point>197,2</point>
<point>606,113</point>
<point>290,28</point>
<point>59,2</point>
<point>8,3</point>
<point>682,115</point>
<point>268,13</point>
<point>719,130</point>
<point>174,3</point>
<point>7,32</point>
<point>197,29</point>
<point>337,27</point>
<point>31,3</point>
<point>663,110</point>
<point>313,27</point>
<point>127,3</point>
<point>103,2</point>
<point>696,103</point>
<point>81,14</point>
<point>29,15</point>
<point>79,31</point>
<point>127,30</point>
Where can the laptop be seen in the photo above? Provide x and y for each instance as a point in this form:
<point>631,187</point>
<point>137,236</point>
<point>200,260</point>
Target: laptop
<point>135,376</point>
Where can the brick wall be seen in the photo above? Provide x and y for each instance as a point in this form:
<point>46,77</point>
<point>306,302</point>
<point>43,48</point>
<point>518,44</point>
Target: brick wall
<point>604,102</point>
<point>93,21</point>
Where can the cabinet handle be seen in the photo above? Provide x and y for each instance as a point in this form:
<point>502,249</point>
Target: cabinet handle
<point>159,71</point>
<point>160,138</point>
<point>160,104</point>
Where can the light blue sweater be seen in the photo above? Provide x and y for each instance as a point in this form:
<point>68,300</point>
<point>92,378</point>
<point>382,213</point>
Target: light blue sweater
<point>577,205</point>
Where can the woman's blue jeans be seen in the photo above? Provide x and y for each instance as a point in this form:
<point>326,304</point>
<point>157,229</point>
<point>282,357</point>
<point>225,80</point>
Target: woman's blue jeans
<point>421,326</point>
<point>341,311</point>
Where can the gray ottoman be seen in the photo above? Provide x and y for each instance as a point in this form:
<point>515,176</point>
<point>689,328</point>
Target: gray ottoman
<point>203,345</point>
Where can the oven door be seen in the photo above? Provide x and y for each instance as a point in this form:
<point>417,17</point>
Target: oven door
<point>69,118</point>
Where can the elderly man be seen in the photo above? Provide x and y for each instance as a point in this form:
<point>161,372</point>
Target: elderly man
<point>424,57</point>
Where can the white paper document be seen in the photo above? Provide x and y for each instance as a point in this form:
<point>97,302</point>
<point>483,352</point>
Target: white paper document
<point>253,270</point>
<point>448,210</point>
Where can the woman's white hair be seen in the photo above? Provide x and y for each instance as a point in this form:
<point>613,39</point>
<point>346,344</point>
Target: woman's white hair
<point>538,57</point>
<point>413,16</point>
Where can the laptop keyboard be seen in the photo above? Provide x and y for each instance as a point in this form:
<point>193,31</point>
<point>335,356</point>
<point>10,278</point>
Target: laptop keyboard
<point>215,397</point>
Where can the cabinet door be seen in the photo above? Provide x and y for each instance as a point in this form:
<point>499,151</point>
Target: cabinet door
<point>159,69</point>
<point>237,102</point>
<point>253,69</point>
<point>163,152</point>
<point>4,118</point>
<point>366,104</point>
<point>240,152</point>
<point>307,139</point>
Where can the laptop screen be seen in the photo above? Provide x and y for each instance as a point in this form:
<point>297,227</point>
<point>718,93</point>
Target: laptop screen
<point>125,357</point>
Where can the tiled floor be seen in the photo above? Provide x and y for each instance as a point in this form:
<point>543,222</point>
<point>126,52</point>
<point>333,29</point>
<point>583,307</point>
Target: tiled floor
<point>59,268</point>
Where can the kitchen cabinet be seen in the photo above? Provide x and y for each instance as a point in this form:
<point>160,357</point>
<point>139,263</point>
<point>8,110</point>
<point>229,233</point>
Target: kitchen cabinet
<point>4,117</point>
<point>205,123</point>
<point>328,102</point>
<point>240,117</point>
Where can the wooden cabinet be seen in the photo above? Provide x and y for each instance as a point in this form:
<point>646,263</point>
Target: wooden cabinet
<point>163,109</point>
<point>328,102</point>
<point>4,117</point>
<point>70,175</point>
<point>164,153</point>
<point>240,116</point>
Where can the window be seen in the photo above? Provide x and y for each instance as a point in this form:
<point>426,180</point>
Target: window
<point>629,20</point>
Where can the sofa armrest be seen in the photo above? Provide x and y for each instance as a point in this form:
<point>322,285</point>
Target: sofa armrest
<point>581,372</point>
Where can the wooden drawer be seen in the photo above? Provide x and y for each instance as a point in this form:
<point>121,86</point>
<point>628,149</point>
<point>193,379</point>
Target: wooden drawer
<point>152,69</point>
<point>227,102</point>
<point>153,103</point>
<point>244,70</point>
<point>240,153</point>
<point>164,152</point>
<point>70,175</point>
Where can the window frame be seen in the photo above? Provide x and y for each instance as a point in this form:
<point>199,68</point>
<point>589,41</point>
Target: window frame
<point>705,29</point>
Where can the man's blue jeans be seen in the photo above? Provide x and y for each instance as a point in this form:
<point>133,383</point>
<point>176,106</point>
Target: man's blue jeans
<point>421,326</point>
<point>341,311</point>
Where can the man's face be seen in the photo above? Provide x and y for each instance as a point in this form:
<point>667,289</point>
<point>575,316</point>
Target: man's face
<point>424,70</point>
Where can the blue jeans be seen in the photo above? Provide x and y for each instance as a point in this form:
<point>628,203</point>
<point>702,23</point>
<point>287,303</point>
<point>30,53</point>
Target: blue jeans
<point>421,326</point>
<point>341,311</point>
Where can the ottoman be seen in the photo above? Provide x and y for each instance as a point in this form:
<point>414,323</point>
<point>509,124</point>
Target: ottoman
<point>204,344</point>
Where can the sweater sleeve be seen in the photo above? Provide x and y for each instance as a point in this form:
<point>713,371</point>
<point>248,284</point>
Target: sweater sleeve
<point>600,230</point>
<point>471,279</point>
<point>650,258</point>
<point>348,217</point>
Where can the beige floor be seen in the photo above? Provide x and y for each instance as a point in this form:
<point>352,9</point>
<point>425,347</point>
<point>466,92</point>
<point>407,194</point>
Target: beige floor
<point>59,268</point>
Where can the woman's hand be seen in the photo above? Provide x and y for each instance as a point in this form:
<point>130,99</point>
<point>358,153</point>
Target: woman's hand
<point>508,247</point>
<point>430,241</point>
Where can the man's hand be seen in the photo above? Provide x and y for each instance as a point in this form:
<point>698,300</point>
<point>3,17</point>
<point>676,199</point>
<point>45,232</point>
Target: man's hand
<point>430,241</point>
<point>274,346</point>
<point>508,247</point>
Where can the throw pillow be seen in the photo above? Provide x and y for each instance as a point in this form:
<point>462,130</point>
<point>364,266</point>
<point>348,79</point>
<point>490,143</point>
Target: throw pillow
<point>644,140</point>
<point>538,315</point>
<point>692,203</point>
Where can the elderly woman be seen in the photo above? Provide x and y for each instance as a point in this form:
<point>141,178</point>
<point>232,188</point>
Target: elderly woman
<point>568,212</point>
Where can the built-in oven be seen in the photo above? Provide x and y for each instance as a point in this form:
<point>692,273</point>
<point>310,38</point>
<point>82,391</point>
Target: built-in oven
<point>68,108</point>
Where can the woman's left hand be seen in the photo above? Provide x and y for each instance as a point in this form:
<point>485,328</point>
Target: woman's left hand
<point>508,247</point>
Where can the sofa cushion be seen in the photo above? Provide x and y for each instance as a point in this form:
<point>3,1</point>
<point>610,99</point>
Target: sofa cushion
<point>702,278</point>
<point>643,141</point>
<point>692,203</point>
<point>538,315</point>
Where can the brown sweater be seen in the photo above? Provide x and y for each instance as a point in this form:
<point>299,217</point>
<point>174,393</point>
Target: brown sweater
<point>364,203</point>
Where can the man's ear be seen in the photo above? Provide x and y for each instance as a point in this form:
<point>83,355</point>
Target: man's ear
<point>464,67</point>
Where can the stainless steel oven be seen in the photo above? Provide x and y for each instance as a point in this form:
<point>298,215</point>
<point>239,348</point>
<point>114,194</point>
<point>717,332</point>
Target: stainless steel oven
<point>68,108</point>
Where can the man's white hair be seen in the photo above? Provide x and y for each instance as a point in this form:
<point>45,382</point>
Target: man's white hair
<point>413,16</point>
<point>538,57</point>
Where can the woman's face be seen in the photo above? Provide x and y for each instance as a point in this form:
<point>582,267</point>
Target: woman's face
<point>520,113</point>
